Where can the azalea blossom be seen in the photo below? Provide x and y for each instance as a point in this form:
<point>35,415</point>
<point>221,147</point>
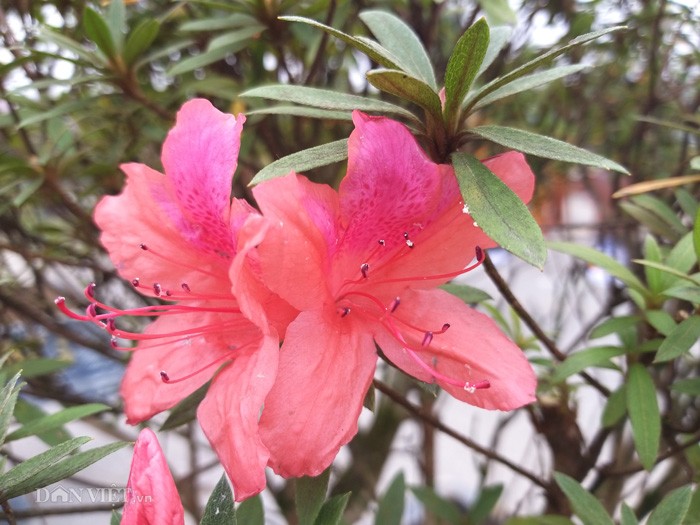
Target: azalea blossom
<point>151,495</point>
<point>362,265</point>
<point>181,237</point>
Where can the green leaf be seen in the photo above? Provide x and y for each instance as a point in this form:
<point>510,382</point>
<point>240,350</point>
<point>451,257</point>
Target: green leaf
<point>310,495</point>
<point>302,111</point>
<point>38,367</point>
<point>26,412</point>
<point>615,408</point>
<point>498,12</point>
<point>251,512</point>
<point>60,110</point>
<point>499,37</point>
<point>57,420</point>
<point>652,252</point>
<point>650,220</point>
<point>437,506</point>
<point>643,411</point>
<point>548,519</point>
<point>534,64</point>
<point>235,40</point>
<point>661,321</point>
<point>186,410</point>
<point>530,82</point>
<point>332,511</point>
<point>627,516</point>
<point>498,211</point>
<point>35,465</point>
<point>116,20</point>
<point>391,506</point>
<point>486,502</point>
<point>97,30</point>
<point>687,386</point>
<point>579,361</point>
<point>696,235</point>
<point>601,260</point>
<point>466,293</point>
<point>115,518</point>
<point>462,68</point>
<point>399,39</point>
<point>614,325</point>
<point>140,39</point>
<point>668,270</point>
<point>687,202</point>
<point>679,341</point>
<point>585,506</point>
<point>64,469</point>
<point>304,160</point>
<point>63,42</point>
<point>681,257</point>
<point>220,508</point>
<point>687,293</point>
<point>208,25</point>
<point>376,52</point>
<point>8,399</point>
<point>325,99</point>
<point>542,146</point>
<point>408,88</point>
<point>673,508</point>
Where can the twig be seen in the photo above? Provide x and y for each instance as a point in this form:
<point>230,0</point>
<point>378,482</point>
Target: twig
<point>439,425</point>
<point>532,324</point>
<point>316,64</point>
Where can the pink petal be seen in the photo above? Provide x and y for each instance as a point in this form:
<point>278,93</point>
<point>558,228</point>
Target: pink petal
<point>326,366</point>
<point>473,349</point>
<point>134,218</point>
<point>229,416</point>
<point>151,494</point>
<point>144,392</point>
<point>295,256</point>
<point>200,155</point>
<point>512,168</point>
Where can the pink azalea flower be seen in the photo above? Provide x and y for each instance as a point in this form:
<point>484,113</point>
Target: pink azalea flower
<point>362,266</point>
<point>151,495</point>
<point>181,237</point>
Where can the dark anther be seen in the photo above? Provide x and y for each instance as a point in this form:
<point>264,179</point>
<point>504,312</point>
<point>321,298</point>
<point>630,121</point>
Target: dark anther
<point>405,235</point>
<point>427,338</point>
<point>90,290</point>
<point>394,304</point>
<point>157,289</point>
<point>364,268</point>
<point>479,253</point>
<point>382,242</point>
<point>135,282</point>
<point>445,327</point>
<point>186,287</point>
<point>143,246</point>
<point>346,311</point>
<point>164,376</point>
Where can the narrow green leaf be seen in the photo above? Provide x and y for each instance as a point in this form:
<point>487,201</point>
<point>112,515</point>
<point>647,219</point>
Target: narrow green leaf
<point>530,82</point>
<point>8,399</point>
<point>498,211</point>
<point>534,64</point>
<point>235,40</point>
<point>208,25</point>
<point>437,506</point>
<point>304,160</point>
<point>643,411</point>
<point>462,67</point>
<point>601,260</point>
<point>686,293</point>
<point>661,321</point>
<point>615,408</point>
<point>649,219</point>
<point>486,502</point>
<point>614,325</point>
<point>662,210</point>
<point>35,465</point>
<point>680,340</point>
<point>115,518</point>
<point>60,110</point>
<point>668,270</point>
<point>498,12</point>
<point>681,257</point>
<point>220,508</point>
<point>585,506</point>
<point>579,361</point>
<point>391,506</point>
<point>687,386</point>
<point>686,201</point>
<point>325,99</point>
<point>302,111</point>
<point>140,39</point>
<point>694,507</point>
<point>310,495</point>
<point>408,88</point>
<point>66,43</point>
<point>499,37</point>
<point>398,38</point>
<point>57,420</point>
<point>26,412</point>
<point>162,52</point>
<point>38,367</point>
<point>250,512</point>
<point>64,468</point>
<point>673,508</point>
<point>377,53</point>
<point>696,235</point>
<point>97,30</point>
<point>332,511</point>
<point>627,516</point>
<point>542,146</point>
<point>116,21</point>
<point>466,293</point>
<point>652,252</point>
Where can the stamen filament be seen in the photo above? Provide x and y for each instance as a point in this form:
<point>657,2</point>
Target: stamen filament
<point>197,269</point>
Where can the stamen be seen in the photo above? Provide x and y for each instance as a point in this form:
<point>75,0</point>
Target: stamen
<point>135,282</point>
<point>394,304</point>
<point>427,339</point>
<point>157,289</point>
<point>186,287</point>
<point>165,377</point>
<point>473,387</point>
<point>344,311</point>
<point>382,242</point>
<point>178,262</point>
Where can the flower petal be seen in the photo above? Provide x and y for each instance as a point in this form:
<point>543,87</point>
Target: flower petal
<point>473,349</point>
<point>151,494</point>
<point>133,219</point>
<point>326,366</point>
<point>229,416</point>
<point>295,256</point>
<point>199,156</point>
<point>195,357</point>
<point>512,168</point>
